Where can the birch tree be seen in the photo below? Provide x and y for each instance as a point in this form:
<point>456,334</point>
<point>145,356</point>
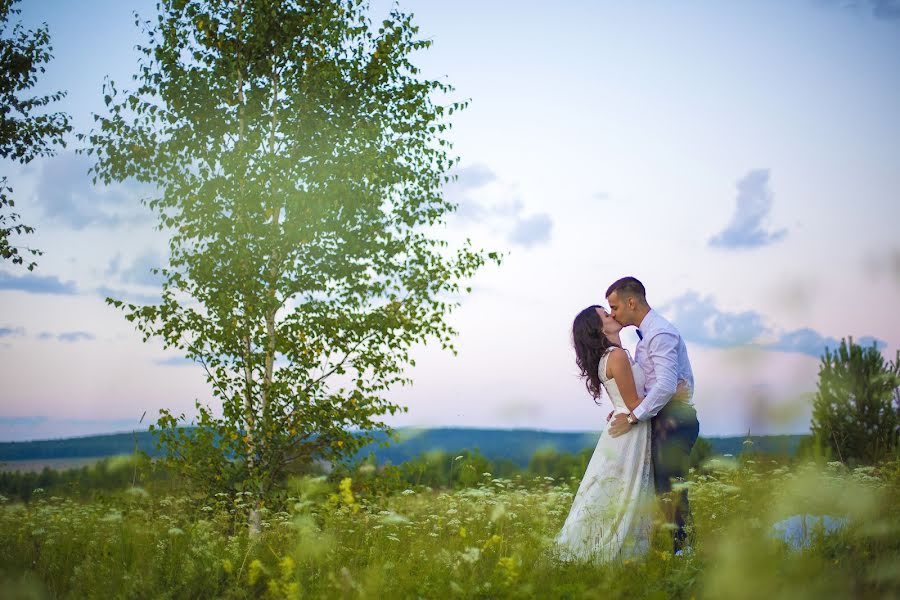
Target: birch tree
<point>300,157</point>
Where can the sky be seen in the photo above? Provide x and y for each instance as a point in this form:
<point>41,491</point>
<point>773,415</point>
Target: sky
<point>741,159</point>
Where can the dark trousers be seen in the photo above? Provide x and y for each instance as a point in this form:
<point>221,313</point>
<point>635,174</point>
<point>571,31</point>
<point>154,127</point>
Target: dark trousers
<point>673,433</point>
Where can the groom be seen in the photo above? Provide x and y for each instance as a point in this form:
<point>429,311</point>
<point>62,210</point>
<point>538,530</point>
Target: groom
<point>662,356</point>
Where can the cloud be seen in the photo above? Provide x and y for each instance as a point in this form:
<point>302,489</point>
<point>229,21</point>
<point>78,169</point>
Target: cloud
<point>886,10</point>
<point>130,297</point>
<point>68,197</point>
<point>175,361</point>
<point>531,231</point>
<point>10,331</point>
<point>507,215</point>
<point>69,336</point>
<point>37,284</point>
<point>114,265</point>
<point>808,341</point>
<point>139,270</point>
<point>700,321</point>
<point>459,191</point>
<point>474,176</point>
<point>75,336</point>
<point>747,226</point>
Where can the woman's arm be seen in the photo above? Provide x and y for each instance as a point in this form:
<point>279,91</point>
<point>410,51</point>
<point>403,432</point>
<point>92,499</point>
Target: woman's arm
<point>619,368</point>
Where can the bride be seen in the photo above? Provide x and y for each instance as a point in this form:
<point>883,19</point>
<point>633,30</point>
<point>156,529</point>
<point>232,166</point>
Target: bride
<point>611,515</point>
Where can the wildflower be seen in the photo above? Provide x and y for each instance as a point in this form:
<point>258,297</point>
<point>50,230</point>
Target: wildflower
<point>492,541</point>
<point>287,567</point>
<point>254,572</point>
<point>471,555</point>
<point>227,566</point>
<point>462,532</point>
<point>137,492</point>
<point>175,531</point>
<point>497,512</point>
<point>347,493</point>
<point>391,518</point>
<point>508,569</point>
<point>112,516</point>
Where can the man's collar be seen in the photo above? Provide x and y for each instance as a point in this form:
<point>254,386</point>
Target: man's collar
<point>646,320</point>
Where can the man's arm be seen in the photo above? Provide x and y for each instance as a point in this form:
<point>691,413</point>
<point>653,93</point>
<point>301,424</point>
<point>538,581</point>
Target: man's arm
<point>662,350</point>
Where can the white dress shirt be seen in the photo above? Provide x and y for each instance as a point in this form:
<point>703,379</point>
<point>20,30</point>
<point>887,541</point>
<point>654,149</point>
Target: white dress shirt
<point>662,356</point>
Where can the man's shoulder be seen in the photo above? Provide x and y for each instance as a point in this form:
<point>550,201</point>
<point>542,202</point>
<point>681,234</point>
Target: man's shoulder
<point>660,324</point>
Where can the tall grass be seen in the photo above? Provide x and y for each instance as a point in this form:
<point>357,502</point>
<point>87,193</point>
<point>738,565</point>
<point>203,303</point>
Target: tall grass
<point>489,540</point>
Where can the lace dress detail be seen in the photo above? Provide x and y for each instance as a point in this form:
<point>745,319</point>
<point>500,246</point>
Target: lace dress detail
<point>612,512</point>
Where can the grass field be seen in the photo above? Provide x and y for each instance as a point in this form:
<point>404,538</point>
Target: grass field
<point>485,541</point>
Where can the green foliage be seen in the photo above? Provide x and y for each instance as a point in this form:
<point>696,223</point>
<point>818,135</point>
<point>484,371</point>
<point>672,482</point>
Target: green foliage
<point>25,131</point>
<point>300,161</point>
<point>856,410</point>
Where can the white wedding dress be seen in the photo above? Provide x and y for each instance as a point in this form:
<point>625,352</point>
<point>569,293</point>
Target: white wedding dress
<point>611,516</point>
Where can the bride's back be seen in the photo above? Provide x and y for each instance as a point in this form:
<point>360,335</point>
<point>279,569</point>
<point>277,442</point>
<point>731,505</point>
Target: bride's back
<point>610,383</point>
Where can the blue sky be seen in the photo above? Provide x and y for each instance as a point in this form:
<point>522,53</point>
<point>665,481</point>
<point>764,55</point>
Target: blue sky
<point>742,159</point>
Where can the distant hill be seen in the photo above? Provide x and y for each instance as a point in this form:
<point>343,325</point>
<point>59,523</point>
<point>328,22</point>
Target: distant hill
<point>517,445</point>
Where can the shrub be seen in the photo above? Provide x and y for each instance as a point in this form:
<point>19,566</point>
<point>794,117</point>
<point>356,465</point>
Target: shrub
<point>856,410</point>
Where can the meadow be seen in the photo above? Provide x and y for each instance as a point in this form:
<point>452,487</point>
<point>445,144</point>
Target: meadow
<point>366,532</point>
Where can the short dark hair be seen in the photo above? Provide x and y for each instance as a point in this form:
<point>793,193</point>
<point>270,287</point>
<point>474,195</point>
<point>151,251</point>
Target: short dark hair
<point>628,286</point>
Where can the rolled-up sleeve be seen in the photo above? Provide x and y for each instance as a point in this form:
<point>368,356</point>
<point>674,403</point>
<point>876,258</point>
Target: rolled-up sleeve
<point>662,351</point>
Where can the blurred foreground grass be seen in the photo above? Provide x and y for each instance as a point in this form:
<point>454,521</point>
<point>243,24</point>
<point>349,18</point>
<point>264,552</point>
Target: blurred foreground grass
<point>485,541</point>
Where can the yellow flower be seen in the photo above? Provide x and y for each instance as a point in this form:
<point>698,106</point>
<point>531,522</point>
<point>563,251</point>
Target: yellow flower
<point>509,569</point>
<point>254,571</point>
<point>287,567</point>
<point>462,532</point>
<point>227,566</point>
<point>492,541</point>
<point>346,491</point>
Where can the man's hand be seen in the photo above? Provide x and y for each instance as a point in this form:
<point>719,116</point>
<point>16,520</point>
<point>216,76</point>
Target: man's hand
<point>619,425</point>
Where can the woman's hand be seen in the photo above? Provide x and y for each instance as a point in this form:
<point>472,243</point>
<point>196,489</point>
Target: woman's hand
<point>619,426</point>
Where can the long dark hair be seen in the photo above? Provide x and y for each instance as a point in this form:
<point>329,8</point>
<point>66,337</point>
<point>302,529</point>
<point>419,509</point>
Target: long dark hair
<point>590,345</point>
